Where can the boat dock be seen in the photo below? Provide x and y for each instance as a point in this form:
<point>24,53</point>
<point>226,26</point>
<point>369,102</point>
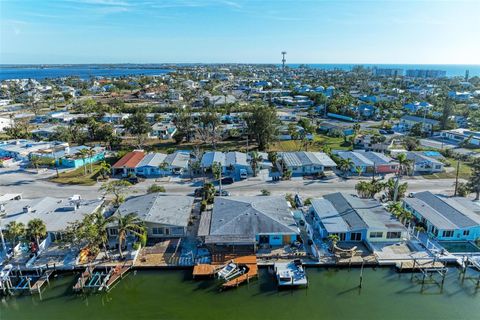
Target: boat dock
<point>116,274</point>
<point>204,270</point>
<point>251,263</point>
<point>417,265</point>
<point>101,279</point>
<point>44,279</point>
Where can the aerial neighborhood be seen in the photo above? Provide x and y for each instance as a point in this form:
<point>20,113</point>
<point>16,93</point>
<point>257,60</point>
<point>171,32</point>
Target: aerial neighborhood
<point>200,165</point>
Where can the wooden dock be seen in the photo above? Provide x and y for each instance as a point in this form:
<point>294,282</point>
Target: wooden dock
<point>115,275</point>
<point>204,270</point>
<point>251,263</point>
<point>82,280</point>
<point>44,278</point>
<point>416,265</point>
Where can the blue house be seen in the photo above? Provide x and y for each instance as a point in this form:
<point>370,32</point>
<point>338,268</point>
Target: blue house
<point>69,157</point>
<point>445,218</point>
<point>249,222</point>
<point>417,106</point>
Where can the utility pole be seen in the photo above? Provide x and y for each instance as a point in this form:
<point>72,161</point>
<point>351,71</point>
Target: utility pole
<point>456,178</point>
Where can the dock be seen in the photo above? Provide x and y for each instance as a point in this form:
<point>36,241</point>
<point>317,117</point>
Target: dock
<point>418,265</point>
<point>82,280</point>
<point>115,275</point>
<point>251,263</point>
<point>204,270</point>
<point>44,279</point>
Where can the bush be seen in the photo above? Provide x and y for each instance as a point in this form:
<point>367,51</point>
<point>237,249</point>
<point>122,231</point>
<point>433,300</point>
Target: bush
<point>136,246</point>
<point>265,192</point>
<point>307,202</point>
<point>203,205</point>
<point>143,239</point>
<point>155,188</point>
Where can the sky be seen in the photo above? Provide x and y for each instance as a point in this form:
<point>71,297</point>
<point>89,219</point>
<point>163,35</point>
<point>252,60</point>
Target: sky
<point>239,31</point>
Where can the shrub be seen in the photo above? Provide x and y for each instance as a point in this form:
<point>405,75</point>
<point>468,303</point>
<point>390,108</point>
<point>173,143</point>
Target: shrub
<point>155,188</point>
<point>265,192</point>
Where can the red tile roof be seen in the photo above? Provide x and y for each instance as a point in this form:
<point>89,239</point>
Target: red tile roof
<point>130,160</point>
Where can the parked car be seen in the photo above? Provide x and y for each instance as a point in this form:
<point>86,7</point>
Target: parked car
<point>225,193</point>
<point>243,174</point>
<point>227,180</point>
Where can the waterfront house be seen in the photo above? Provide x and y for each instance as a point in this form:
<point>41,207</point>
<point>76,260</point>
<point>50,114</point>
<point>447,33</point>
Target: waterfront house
<point>56,213</point>
<point>21,149</point>
<point>69,157</point>
<point>445,218</point>
<point>355,219</point>
<point>164,216</point>
<point>424,164</point>
<point>249,222</point>
<point>128,163</point>
<point>305,163</point>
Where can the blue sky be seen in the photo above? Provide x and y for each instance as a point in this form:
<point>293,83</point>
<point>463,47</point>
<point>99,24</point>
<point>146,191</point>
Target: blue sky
<point>140,31</point>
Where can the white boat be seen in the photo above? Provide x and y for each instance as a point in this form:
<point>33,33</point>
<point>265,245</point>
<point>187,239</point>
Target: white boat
<point>290,274</point>
<point>5,272</point>
<point>227,271</point>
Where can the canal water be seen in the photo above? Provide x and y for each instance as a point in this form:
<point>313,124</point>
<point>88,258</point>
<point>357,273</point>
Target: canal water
<point>332,294</point>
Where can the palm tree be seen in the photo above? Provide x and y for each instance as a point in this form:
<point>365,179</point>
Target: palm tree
<point>163,166</point>
<point>35,161</point>
<point>14,231</point>
<point>217,174</point>
<point>36,229</point>
<point>334,238</point>
<point>403,166</point>
<point>344,165</point>
<point>255,158</point>
<point>83,153</point>
<point>129,223</point>
<point>101,224</point>
<point>359,170</point>
<point>363,189</point>
<point>91,153</point>
<point>105,169</point>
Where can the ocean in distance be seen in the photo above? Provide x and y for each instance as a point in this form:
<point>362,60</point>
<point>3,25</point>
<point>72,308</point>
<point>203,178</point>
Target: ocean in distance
<point>88,71</point>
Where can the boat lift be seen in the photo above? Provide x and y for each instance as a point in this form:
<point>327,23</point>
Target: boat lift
<point>469,263</point>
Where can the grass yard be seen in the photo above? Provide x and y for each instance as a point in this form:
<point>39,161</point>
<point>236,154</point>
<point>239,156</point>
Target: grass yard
<point>78,177</point>
<point>464,171</point>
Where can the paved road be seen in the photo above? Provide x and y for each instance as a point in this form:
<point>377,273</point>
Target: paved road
<point>33,185</point>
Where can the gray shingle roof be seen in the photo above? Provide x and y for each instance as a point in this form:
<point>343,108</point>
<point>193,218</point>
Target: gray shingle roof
<point>250,216</point>
<point>211,157</point>
<point>420,119</point>
<point>160,208</point>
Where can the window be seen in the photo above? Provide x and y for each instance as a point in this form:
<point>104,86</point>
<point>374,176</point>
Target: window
<point>341,236</point>
<point>376,235</point>
<point>466,232</point>
<point>157,230</point>
<point>394,235</point>
<point>355,236</point>
<point>447,233</point>
<point>113,232</point>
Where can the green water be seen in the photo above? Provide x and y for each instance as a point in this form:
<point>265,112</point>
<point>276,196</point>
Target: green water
<point>332,294</point>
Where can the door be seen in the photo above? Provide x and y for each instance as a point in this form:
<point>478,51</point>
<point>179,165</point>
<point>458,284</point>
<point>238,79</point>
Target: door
<point>286,239</point>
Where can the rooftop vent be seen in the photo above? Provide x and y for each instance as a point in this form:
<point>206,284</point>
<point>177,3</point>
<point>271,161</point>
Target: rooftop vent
<point>27,209</point>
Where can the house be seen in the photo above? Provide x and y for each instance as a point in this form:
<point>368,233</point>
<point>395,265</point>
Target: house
<point>336,127</point>
<point>462,135</point>
<point>373,142</point>
<point>355,219</point>
<point>21,149</point>
<point>211,157</point>
<point>163,130</point>
<point>236,163</point>
<point>5,123</point>
<point>164,216</point>
<point>460,96</point>
<point>416,106</point>
<point>56,213</point>
<point>159,164</point>
<point>70,157</point>
<point>249,222</point>
<point>285,134</point>
<point>116,118</point>
<point>305,163</point>
<point>445,218</point>
<point>369,162</point>
<point>424,164</point>
<point>365,110</point>
<point>128,163</point>
<point>407,122</point>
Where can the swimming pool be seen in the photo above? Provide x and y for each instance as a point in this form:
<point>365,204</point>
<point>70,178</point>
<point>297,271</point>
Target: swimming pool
<point>459,246</point>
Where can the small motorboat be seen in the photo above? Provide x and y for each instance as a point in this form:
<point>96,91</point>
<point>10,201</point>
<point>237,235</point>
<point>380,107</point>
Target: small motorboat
<point>227,271</point>
<point>291,274</point>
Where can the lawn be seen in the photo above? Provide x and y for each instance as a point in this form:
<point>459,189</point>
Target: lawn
<point>78,177</point>
<point>464,171</point>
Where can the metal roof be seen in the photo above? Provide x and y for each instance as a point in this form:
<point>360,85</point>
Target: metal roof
<point>304,158</point>
<point>152,160</point>
<point>442,212</point>
<point>358,159</point>
<point>210,157</point>
<point>376,157</point>
<point>233,158</point>
<point>178,159</point>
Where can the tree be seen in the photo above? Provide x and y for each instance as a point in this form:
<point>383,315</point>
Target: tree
<point>117,189</point>
<point>292,131</point>
<point>14,231</point>
<point>217,174</point>
<point>399,212</point>
<point>255,158</point>
<point>368,189</point>
<point>344,165</point>
<point>128,224</point>
<point>411,143</point>
<point>262,123</point>
<point>36,229</point>
<point>19,129</point>
<point>390,187</point>
<point>474,179</point>
<point>403,167</point>
<point>184,123</point>
<point>138,125</point>
<point>462,189</point>
<point>83,153</point>
<point>91,153</point>
<point>35,161</point>
<point>105,169</point>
